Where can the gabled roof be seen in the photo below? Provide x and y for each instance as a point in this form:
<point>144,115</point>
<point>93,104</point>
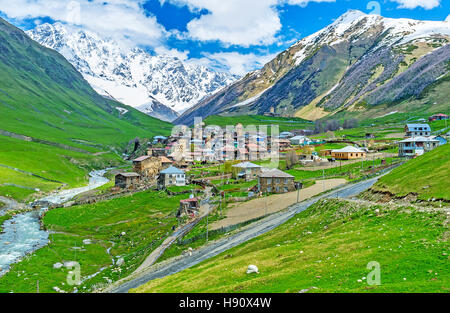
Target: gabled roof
<point>172,170</point>
<point>129,175</point>
<point>246,165</point>
<point>142,158</point>
<point>420,139</point>
<point>416,127</point>
<point>165,160</point>
<point>348,149</point>
<point>275,173</point>
<point>298,138</point>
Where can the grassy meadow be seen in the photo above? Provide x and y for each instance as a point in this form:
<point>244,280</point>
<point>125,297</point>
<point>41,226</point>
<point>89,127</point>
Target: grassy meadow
<point>144,218</point>
<point>329,247</point>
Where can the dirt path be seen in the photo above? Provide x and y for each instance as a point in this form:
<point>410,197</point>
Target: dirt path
<point>242,212</point>
<point>204,210</point>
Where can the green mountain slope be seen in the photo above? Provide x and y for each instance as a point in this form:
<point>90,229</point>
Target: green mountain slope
<point>425,176</point>
<point>45,100</point>
<point>357,64</point>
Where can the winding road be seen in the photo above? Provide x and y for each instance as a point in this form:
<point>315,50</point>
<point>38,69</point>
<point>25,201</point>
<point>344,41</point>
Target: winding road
<point>249,232</point>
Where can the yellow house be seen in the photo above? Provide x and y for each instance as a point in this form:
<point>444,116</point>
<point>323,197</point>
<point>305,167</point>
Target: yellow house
<point>348,153</point>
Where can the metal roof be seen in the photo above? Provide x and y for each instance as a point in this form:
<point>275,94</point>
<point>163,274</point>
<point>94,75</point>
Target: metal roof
<point>275,173</point>
<point>172,170</point>
<point>348,149</point>
<point>129,174</point>
<point>425,127</point>
<point>420,139</point>
<point>142,158</point>
<point>246,165</point>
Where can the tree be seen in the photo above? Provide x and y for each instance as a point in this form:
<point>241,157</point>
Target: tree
<point>291,159</point>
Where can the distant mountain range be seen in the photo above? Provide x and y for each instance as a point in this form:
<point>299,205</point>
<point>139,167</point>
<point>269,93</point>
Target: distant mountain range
<point>358,63</point>
<point>44,97</point>
<point>161,86</point>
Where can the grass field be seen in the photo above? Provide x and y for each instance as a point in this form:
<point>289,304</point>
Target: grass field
<point>425,176</point>
<point>355,169</point>
<point>53,163</point>
<point>146,218</point>
<point>284,123</point>
<point>43,97</point>
<point>329,247</point>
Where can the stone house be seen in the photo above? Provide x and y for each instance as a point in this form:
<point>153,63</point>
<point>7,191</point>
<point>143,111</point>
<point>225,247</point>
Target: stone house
<point>127,180</point>
<point>275,181</point>
<point>147,166</point>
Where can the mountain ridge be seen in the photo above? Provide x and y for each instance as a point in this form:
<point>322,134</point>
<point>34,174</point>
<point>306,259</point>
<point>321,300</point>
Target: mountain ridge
<point>159,84</point>
<point>336,68</point>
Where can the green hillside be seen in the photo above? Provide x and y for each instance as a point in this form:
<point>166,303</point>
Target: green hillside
<point>45,99</point>
<point>329,247</point>
<point>425,176</point>
<point>284,123</point>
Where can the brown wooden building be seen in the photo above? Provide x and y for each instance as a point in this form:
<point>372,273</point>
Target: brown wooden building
<point>275,181</point>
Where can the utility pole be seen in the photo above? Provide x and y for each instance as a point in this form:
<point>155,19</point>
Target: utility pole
<point>37,286</point>
<point>323,180</point>
<point>207,224</point>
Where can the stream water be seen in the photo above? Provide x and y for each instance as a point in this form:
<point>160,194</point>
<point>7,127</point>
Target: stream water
<point>23,235</point>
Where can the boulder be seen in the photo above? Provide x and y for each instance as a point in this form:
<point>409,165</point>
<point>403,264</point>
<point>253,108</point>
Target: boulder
<point>252,269</point>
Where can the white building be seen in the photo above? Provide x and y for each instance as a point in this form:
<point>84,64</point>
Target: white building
<point>171,176</point>
<point>416,146</point>
<point>299,140</point>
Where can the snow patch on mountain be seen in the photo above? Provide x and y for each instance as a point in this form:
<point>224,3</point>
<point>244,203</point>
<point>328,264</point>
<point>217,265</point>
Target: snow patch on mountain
<point>131,75</point>
<point>398,31</point>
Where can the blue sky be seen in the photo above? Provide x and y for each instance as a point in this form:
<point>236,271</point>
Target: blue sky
<point>230,35</point>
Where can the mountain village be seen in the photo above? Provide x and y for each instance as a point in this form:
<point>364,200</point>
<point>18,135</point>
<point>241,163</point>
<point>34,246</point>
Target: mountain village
<point>129,170</point>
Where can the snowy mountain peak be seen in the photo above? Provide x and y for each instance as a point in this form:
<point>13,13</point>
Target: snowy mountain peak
<point>131,75</point>
<point>354,23</point>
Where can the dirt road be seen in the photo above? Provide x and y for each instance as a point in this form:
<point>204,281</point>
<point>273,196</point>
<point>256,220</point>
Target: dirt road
<point>242,212</point>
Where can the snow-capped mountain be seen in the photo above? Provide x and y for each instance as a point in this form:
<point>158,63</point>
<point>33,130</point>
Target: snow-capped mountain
<point>354,64</point>
<point>132,76</point>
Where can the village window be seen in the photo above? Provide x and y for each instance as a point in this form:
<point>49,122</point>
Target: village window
<point>286,189</point>
<point>269,189</point>
<point>269,181</point>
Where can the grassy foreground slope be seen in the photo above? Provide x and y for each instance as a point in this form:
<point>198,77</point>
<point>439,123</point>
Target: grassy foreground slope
<point>426,176</point>
<point>329,247</point>
<point>65,127</point>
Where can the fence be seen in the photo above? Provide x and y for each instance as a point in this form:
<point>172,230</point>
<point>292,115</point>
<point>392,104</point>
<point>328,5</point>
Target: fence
<point>219,231</point>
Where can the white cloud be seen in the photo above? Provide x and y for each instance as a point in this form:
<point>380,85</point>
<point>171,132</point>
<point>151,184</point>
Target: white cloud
<point>182,55</point>
<point>123,20</point>
<point>412,4</point>
<point>234,62</point>
<point>237,22</point>
<point>447,19</point>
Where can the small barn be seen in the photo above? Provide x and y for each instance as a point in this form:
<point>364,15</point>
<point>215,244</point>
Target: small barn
<point>127,180</point>
<point>189,207</point>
